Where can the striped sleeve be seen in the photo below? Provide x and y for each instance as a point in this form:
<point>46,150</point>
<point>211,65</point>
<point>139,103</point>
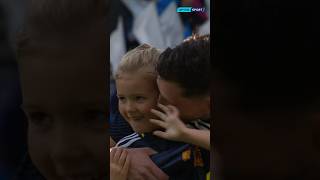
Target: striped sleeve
<point>127,141</point>
<point>199,124</point>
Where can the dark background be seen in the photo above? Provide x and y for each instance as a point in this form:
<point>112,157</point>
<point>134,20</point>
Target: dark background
<point>12,119</point>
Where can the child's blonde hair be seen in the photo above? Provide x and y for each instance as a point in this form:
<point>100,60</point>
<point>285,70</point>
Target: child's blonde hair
<point>143,56</point>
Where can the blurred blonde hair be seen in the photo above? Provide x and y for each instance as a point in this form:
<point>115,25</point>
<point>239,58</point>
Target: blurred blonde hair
<point>196,37</point>
<point>141,57</point>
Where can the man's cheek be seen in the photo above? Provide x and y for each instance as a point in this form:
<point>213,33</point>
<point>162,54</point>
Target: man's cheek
<point>162,100</point>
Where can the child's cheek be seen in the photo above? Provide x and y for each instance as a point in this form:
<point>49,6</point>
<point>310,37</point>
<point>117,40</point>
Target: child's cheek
<point>39,151</point>
<point>121,110</point>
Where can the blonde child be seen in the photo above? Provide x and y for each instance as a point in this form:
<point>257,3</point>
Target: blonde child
<point>137,94</point>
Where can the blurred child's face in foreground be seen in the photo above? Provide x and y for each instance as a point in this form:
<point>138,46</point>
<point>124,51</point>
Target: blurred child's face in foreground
<point>64,91</point>
<point>137,93</point>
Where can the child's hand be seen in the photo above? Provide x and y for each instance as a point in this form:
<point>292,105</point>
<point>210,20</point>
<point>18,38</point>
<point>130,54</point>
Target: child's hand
<point>170,121</point>
<point>119,164</point>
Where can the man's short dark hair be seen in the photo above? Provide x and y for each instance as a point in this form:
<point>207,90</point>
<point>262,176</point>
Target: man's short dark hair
<point>188,65</point>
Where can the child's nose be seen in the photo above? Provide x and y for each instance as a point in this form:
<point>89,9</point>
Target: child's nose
<point>130,107</point>
<point>66,144</point>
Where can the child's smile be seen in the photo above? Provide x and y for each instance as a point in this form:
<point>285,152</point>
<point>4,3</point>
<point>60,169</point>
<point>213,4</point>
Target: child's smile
<point>137,94</point>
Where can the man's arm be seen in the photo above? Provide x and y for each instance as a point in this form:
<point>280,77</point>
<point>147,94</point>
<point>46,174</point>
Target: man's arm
<point>142,167</point>
<point>119,164</point>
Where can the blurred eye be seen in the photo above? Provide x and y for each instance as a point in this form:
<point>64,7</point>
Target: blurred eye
<point>39,119</point>
<point>96,119</point>
<point>121,99</point>
<point>140,98</point>
<point>95,115</point>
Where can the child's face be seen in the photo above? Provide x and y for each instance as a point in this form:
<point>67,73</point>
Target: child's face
<point>137,93</point>
<point>64,93</point>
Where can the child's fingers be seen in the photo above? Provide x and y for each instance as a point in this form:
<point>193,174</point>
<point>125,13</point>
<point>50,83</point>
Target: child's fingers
<point>158,123</point>
<point>164,108</point>
<point>123,157</point>
<point>126,164</point>
<point>117,154</point>
<point>112,152</point>
<point>173,110</point>
<point>160,134</point>
<point>161,115</point>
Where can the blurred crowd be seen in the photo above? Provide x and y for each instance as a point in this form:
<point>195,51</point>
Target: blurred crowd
<point>156,23</point>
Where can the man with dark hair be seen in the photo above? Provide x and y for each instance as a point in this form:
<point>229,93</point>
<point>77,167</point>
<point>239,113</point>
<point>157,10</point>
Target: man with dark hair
<point>184,85</point>
<point>184,77</point>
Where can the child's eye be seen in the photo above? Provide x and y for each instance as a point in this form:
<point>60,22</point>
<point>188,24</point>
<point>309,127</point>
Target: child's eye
<point>121,99</point>
<point>140,98</point>
<point>96,119</point>
<point>95,115</point>
<point>39,119</point>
